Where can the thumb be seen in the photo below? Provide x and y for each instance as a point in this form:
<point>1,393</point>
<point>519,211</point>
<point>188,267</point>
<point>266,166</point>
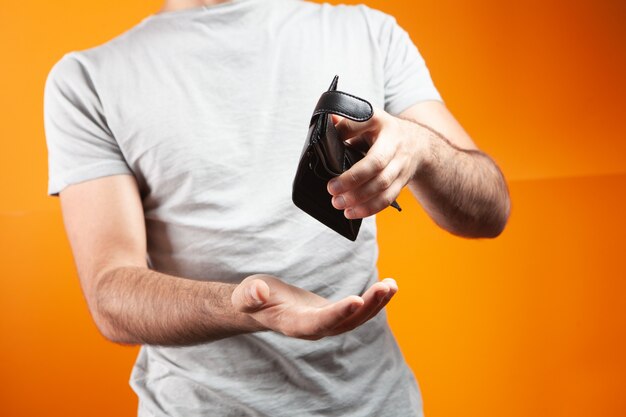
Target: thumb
<point>250,296</point>
<point>336,118</point>
<point>348,129</point>
<point>345,127</point>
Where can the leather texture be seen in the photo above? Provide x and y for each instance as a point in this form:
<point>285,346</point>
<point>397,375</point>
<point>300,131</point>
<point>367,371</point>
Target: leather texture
<point>345,105</point>
<point>325,156</point>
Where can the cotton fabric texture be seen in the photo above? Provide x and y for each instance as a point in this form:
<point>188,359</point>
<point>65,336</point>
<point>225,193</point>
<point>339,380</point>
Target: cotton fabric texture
<point>208,108</point>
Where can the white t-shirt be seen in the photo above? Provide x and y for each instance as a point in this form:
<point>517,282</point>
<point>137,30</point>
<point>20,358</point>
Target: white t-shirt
<point>209,108</point>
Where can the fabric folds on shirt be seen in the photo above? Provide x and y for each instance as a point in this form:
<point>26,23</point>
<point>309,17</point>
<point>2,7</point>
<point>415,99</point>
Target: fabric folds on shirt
<point>208,108</point>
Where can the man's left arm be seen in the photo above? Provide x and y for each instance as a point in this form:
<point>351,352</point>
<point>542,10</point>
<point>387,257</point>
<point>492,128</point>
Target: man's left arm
<point>460,187</point>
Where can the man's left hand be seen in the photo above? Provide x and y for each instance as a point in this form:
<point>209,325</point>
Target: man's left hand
<point>374,182</point>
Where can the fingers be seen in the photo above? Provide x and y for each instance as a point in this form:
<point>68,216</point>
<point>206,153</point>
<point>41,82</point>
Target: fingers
<point>332,315</point>
<point>379,202</point>
<point>375,161</point>
<point>375,181</point>
<point>336,119</point>
<point>375,299</point>
<point>382,164</point>
<point>393,289</point>
<point>374,195</point>
<point>250,295</point>
<point>298,313</point>
<point>385,187</point>
<point>347,128</point>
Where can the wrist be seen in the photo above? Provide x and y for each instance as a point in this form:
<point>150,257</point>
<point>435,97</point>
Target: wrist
<point>250,324</point>
<point>233,320</point>
<point>422,143</point>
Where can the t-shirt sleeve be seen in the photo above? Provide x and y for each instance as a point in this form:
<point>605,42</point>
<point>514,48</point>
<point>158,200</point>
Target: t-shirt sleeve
<point>407,79</point>
<point>80,144</point>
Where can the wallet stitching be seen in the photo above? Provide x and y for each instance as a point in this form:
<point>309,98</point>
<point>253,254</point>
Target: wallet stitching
<point>349,116</point>
<point>356,98</point>
<point>360,119</point>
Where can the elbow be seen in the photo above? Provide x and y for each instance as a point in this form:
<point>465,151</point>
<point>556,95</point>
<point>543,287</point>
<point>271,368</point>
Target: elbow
<point>496,207</point>
<point>501,224</point>
<point>495,220</point>
<point>488,224</point>
<point>493,229</point>
<point>113,333</point>
<point>104,317</point>
<point>122,340</point>
<point>502,212</point>
<point>105,309</point>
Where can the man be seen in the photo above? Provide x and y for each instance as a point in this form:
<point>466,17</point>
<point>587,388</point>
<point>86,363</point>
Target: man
<point>173,147</point>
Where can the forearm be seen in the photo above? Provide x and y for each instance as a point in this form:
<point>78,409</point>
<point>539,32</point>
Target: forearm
<point>138,305</point>
<point>464,191</point>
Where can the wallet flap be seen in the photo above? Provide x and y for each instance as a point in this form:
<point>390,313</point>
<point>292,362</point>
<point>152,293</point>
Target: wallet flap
<point>325,156</point>
<point>344,104</point>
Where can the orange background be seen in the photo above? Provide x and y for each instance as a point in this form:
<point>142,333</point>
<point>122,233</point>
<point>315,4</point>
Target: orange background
<point>532,323</point>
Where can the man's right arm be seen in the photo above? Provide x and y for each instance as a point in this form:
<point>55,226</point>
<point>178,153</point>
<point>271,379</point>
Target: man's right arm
<point>138,305</point>
<point>132,304</point>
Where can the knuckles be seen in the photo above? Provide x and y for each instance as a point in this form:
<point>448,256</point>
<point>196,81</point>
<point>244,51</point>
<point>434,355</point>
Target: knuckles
<point>364,193</point>
<point>384,181</point>
<point>378,162</point>
<point>387,200</point>
<point>353,177</point>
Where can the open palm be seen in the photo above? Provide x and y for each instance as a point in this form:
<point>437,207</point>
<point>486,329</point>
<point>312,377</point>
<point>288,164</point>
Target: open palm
<point>299,313</point>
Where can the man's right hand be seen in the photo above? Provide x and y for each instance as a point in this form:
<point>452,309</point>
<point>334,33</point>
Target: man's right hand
<point>132,304</point>
<point>296,312</point>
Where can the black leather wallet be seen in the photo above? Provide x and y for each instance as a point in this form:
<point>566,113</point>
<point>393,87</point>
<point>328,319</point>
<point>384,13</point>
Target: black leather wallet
<point>325,156</point>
